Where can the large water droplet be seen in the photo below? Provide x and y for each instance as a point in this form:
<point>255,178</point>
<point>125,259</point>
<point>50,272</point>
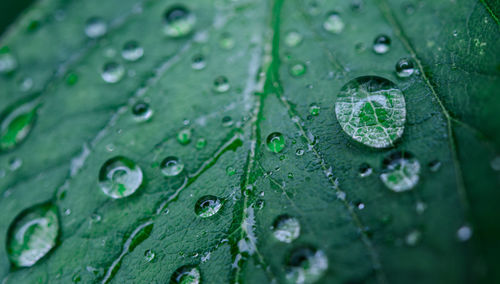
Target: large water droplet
<point>405,68</point>
<point>187,274</point>
<point>132,51</point>
<point>32,235</point>
<point>275,142</point>
<point>120,177</point>
<point>382,44</point>
<point>112,72</point>
<point>371,110</point>
<point>333,23</point>
<point>401,172</point>
<point>221,84</point>
<point>306,265</point>
<point>95,27</point>
<point>207,206</point>
<point>16,123</point>
<point>293,38</point>
<point>8,62</point>
<point>286,228</point>
<point>179,21</point>
<point>171,166</point>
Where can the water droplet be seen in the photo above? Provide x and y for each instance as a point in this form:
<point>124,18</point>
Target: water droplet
<point>275,142</point>
<point>112,72</point>
<point>298,69</point>
<point>142,111</point>
<point>132,51</point>
<point>179,21</point>
<point>381,44</point>
<point>299,152</point>
<point>120,177</point>
<point>16,123</point>
<point>226,41</point>
<point>187,274</point>
<point>149,255</point>
<point>25,84</point>
<point>71,79</point>
<point>8,63</point>
<point>198,62</point>
<point>401,172</point>
<point>333,23</point>
<point>32,235</point>
<point>184,136</point>
<point>201,143</point>
<point>434,166</point>
<point>413,237</point>
<point>464,233</point>
<point>230,171</point>
<point>495,163</point>
<point>371,110</point>
<point>171,166</point>
<point>405,68</point>
<point>207,206</point>
<point>221,84</point>
<point>314,109</point>
<point>361,206</point>
<point>95,27</point>
<point>365,170</point>
<point>286,228</point>
<point>293,38</point>
<point>306,265</point>
<point>227,121</point>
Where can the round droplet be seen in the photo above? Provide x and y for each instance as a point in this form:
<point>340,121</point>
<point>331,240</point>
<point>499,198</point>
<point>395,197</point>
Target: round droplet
<point>405,68</point>
<point>365,170</point>
<point>306,265</point>
<point>286,228</point>
<point>32,235</point>
<point>299,152</point>
<point>8,63</point>
<point>142,111</point>
<point>401,172</point>
<point>381,44</point>
<point>149,255</point>
<point>371,110</point>
<point>132,51</point>
<point>184,136</point>
<point>314,110</point>
<point>171,166</point>
<point>293,38</point>
<point>230,170</point>
<point>207,206</point>
<point>227,121</point>
<point>298,69</point>
<point>221,84</point>
<point>179,21</point>
<point>464,233</point>
<point>95,27</point>
<point>120,177</point>
<point>198,62</point>
<point>275,142</point>
<point>333,23</point>
<point>201,143</point>
<point>187,274</point>
<point>16,123</point>
<point>112,72</point>
<point>226,41</point>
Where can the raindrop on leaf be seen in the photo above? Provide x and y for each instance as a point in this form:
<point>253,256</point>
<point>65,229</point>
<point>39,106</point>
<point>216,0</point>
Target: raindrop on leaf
<point>120,177</point>
<point>275,142</point>
<point>112,72</point>
<point>286,228</point>
<point>95,27</point>
<point>401,172</point>
<point>179,21</point>
<point>171,166</point>
<point>207,206</point>
<point>382,44</point>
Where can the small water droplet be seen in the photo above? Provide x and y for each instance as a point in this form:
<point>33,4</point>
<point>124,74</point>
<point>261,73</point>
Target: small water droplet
<point>149,255</point>
<point>184,136</point>
<point>132,51</point>
<point>333,23</point>
<point>16,123</point>
<point>230,170</point>
<point>401,172</point>
<point>464,233</point>
<point>293,38</point>
<point>171,166</point>
<point>32,235</point>
<point>306,265</point>
<point>95,27</point>
<point>8,63</point>
<point>275,142</point>
<point>187,274</point>
<point>207,206</point>
<point>314,110</point>
<point>413,238</point>
<point>120,177</point>
<point>226,41</point>
<point>179,21</point>
<point>405,68</point>
<point>286,228</point>
<point>142,111</point>
<point>298,69</point>
<point>434,166</point>
<point>420,207</point>
<point>382,44</point>
<point>198,62</point>
<point>25,84</point>
<point>221,84</point>
<point>361,206</point>
<point>299,152</point>
<point>112,72</point>
<point>201,143</point>
<point>365,170</point>
<point>227,121</point>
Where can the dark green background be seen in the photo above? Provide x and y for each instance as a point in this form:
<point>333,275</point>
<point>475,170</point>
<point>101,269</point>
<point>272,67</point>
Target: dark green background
<point>10,10</point>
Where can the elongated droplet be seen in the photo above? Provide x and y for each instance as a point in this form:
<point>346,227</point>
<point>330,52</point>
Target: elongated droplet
<point>132,51</point>
<point>95,27</point>
<point>306,265</point>
<point>187,274</point>
<point>32,234</point>
<point>286,228</point>
<point>207,206</point>
<point>275,142</point>
<point>401,172</point>
<point>171,166</point>
<point>333,23</point>
<point>120,177</point>
<point>16,123</point>
<point>8,62</point>
<point>179,21</point>
<point>371,110</point>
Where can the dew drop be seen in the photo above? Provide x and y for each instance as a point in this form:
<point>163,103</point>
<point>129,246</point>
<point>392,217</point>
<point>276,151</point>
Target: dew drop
<point>8,63</point>
<point>25,84</point>
<point>16,123</point>
<point>32,235</point>
<point>207,206</point>
<point>401,172</point>
<point>120,177</point>
<point>464,233</point>
<point>112,72</point>
<point>306,265</point>
<point>405,68</point>
<point>179,21</point>
<point>149,255</point>
<point>226,41</point>
<point>286,228</point>
<point>333,23</point>
<point>298,69</point>
<point>230,170</point>
<point>187,274</point>
<point>184,136</point>
<point>299,152</point>
<point>371,110</point>
<point>201,143</point>
<point>227,121</point>
<point>221,84</point>
<point>198,62</point>
<point>142,111</point>
<point>171,166</point>
<point>413,238</point>
<point>293,38</point>
<point>95,27</point>
<point>275,142</point>
<point>365,170</point>
<point>382,44</point>
<point>314,110</point>
<point>132,51</point>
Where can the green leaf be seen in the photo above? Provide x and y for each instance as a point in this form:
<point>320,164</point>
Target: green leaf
<point>179,141</point>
